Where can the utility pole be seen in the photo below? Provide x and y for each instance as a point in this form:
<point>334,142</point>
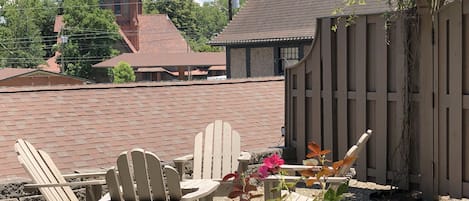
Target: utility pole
<point>63,41</point>
<point>230,10</point>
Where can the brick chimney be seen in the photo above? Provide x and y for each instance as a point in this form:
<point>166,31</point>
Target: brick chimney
<point>127,18</point>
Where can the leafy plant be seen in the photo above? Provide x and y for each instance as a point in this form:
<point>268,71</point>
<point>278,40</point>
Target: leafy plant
<point>123,73</point>
<point>272,166</point>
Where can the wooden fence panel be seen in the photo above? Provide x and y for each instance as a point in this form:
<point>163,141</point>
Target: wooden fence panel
<point>326,57</point>
<point>342,98</point>
<point>360,94</point>
<point>381,97</point>
<point>450,95</point>
<point>352,80</point>
<point>465,92</point>
<point>426,105</point>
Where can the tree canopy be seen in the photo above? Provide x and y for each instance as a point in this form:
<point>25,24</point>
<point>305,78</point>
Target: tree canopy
<point>91,32</point>
<point>26,32</point>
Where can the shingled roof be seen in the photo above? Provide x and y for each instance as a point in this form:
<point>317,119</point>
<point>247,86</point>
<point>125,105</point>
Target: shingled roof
<point>166,60</point>
<point>157,34</point>
<point>87,126</point>
<point>283,20</point>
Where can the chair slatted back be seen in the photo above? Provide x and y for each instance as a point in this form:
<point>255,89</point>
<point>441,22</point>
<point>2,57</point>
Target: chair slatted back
<point>42,170</point>
<point>216,151</point>
<point>354,151</point>
<point>140,176</point>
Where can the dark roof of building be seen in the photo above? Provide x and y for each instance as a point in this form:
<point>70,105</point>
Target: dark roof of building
<point>9,73</point>
<point>283,20</point>
<point>166,60</point>
<point>6,73</point>
<point>86,127</point>
<point>157,34</point>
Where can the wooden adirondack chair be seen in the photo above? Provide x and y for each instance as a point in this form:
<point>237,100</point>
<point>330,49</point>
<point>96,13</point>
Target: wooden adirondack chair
<point>49,180</point>
<point>140,176</point>
<point>344,173</point>
<point>217,152</point>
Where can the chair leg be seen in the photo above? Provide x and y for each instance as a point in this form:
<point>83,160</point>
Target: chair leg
<point>93,192</point>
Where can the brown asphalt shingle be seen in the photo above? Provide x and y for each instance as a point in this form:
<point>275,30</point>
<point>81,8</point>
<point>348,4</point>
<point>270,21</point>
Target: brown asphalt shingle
<point>87,126</point>
<point>157,34</point>
<point>13,72</point>
<point>278,20</point>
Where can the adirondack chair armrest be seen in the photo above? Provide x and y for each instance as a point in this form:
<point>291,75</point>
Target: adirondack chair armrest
<point>180,162</point>
<point>184,159</point>
<point>244,157</point>
<point>79,183</point>
<point>84,175</point>
<point>204,190</point>
<point>300,167</point>
<point>292,168</point>
<point>274,178</point>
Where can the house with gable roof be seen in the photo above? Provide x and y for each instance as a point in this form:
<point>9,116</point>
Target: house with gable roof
<point>267,35</point>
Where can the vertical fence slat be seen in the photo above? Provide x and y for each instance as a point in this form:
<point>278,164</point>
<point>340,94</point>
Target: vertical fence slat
<point>436,109</point>
<point>442,118</point>
<point>425,105</point>
<point>300,142</point>
<point>342,122</point>
<point>401,66</point>
<point>381,102</point>
<point>455,129</point>
<point>360,54</point>
<point>316,87</point>
<point>326,55</point>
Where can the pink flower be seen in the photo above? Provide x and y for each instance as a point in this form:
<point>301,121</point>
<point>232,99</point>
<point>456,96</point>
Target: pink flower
<point>271,165</point>
<point>273,161</point>
<point>263,171</point>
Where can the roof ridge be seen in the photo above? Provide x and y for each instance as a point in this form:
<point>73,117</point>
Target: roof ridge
<point>138,85</point>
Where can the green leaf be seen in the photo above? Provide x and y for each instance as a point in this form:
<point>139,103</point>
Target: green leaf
<point>343,188</point>
<point>330,195</point>
<point>362,2</point>
<point>334,28</point>
<point>290,185</point>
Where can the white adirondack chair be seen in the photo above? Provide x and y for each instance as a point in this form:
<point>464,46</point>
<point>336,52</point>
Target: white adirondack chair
<point>344,173</point>
<point>140,176</point>
<point>49,180</point>
<point>217,152</point>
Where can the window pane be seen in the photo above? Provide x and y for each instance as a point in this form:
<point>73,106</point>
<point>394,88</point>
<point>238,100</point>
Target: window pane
<point>117,7</point>
<point>288,56</point>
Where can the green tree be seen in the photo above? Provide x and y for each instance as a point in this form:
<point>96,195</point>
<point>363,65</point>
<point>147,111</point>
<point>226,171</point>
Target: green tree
<point>21,44</point>
<point>44,17</point>
<point>91,33</point>
<point>197,23</point>
<point>123,73</point>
